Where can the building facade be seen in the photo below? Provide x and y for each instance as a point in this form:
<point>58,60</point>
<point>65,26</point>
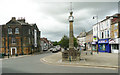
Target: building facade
<point>20,37</point>
<point>89,39</point>
<point>44,44</point>
<point>0,38</point>
<point>114,41</point>
<point>81,40</point>
<point>103,31</point>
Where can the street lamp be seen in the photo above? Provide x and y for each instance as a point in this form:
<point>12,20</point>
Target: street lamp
<point>97,30</point>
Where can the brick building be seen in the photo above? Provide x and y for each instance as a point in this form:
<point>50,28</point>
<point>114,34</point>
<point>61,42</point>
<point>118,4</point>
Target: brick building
<point>89,39</point>
<point>114,40</point>
<point>45,44</point>
<point>20,37</point>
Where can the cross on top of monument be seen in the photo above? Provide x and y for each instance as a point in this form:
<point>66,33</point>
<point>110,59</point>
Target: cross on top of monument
<point>71,8</point>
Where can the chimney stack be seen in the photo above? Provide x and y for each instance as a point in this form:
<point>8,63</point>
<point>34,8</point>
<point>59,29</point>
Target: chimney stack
<point>13,19</point>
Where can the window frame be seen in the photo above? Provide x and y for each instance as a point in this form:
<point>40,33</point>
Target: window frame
<point>13,40</point>
<point>9,30</point>
<point>17,32</point>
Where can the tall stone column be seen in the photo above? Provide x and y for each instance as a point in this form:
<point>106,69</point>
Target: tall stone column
<point>71,54</point>
<point>71,42</point>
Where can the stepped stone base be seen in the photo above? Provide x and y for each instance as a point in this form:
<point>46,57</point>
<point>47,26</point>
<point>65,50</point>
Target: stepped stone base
<point>71,55</point>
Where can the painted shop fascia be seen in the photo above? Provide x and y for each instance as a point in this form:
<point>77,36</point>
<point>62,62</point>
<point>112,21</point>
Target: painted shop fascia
<point>115,45</point>
<point>104,46</point>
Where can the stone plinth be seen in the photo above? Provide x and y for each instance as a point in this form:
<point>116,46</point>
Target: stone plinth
<point>71,55</point>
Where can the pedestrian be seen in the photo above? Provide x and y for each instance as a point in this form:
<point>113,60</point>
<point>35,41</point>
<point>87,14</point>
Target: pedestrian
<point>70,58</point>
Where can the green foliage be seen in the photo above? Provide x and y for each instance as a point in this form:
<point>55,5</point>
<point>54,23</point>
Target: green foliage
<point>75,42</point>
<point>55,43</point>
<point>64,42</point>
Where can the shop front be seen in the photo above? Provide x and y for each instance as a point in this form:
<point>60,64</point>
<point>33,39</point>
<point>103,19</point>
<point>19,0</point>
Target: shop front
<point>115,45</point>
<point>89,46</point>
<point>104,46</point>
<point>94,46</point>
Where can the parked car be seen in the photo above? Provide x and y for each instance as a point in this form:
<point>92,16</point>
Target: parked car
<point>50,49</point>
<point>45,49</point>
<point>54,50</point>
<point>58,47</point>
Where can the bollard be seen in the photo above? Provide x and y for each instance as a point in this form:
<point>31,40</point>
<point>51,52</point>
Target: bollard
<point>70,58</point>
<point>91,53</point>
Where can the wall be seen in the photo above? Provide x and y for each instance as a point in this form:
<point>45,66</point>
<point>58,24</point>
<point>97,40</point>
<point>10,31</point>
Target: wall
<point>102,26</point>
<point>0,38</point>
<point>89,39</point>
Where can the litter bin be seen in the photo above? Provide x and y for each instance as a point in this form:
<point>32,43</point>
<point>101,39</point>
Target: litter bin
<point>1,55</point>
<point>16,54</point>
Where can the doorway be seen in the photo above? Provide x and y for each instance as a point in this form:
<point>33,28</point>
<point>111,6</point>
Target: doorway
<point>13,51</point>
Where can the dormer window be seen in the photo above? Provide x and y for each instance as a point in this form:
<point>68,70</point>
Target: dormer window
<point>9,30</point>
<point>16,30</point>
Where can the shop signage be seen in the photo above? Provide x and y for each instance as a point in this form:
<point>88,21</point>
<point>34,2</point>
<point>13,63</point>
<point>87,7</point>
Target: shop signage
<point>114,41</point>
<point>94,43</point>
<point>94,38</point>
<point>103,41</point>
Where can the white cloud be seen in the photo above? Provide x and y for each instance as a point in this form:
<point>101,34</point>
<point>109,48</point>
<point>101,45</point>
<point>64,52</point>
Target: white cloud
<point>52,17</point>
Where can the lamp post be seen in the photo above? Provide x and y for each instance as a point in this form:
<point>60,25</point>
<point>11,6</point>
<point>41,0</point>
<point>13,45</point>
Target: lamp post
<point>97,29</point>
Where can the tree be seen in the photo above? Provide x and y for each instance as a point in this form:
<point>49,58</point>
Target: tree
<point>64,42</point>
<point>75,42</point>
<point>55,43</point>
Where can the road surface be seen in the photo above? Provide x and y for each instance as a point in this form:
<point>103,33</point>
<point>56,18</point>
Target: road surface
<point>32,64</point>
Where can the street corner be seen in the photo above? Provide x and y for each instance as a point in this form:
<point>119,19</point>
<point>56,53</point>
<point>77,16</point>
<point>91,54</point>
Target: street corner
<point>56,59</point>
<point>14,57</point>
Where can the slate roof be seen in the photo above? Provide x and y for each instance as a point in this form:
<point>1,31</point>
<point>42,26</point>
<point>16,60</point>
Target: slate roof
<point>17,22</point>
<point>89,32</point>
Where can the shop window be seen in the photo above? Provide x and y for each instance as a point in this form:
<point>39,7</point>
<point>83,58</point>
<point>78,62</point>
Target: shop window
<point>9,30</point>
<point>16,30</point>
<point>115,46</point>
<point>94,47</point>
<point>102,47</point>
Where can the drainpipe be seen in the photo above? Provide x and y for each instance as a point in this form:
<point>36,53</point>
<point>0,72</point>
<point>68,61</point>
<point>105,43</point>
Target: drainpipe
<point>8,40</point>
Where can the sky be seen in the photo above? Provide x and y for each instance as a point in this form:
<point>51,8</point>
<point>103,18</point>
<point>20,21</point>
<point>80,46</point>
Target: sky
<point>51,17</point>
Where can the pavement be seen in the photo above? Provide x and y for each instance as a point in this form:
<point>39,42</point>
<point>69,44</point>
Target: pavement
<point>20,56</point>
<point>101,60</point>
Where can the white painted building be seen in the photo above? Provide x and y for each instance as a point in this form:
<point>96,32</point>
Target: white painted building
<point>45,44</point>
<point>102,29</point>
<point>81,40</point>
<point>114,41</point>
